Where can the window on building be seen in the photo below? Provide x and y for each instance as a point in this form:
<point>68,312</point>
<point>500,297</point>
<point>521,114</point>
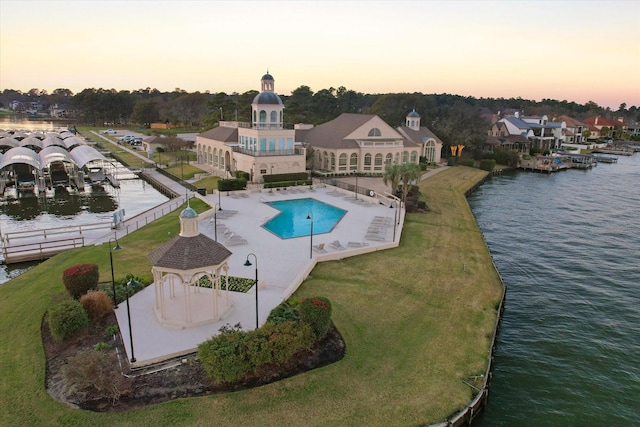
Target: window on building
<point>374,132</point>
<point>342,162</point>
<point>333,161</point>
<point>378,162</point>
<point>274,117</point>
<point>405,156</point>
<point>353,162</point>
<point>388,159</point>
<point>367,162</point>
<point>414,157</point>
<point>263,117</point>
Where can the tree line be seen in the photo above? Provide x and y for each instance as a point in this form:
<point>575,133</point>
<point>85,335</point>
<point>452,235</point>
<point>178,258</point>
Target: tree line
<point>454,119</point>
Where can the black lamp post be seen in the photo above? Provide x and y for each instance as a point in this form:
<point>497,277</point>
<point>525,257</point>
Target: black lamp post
<point>357,185</point>
<point>247,264</point>
<point>310,216</point>
<point>215,219</point>
<point>395,219</point>
<point>131,282</point>
<point>117,247</point>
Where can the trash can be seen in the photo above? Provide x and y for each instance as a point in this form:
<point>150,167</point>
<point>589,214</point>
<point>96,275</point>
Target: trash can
<point>202,191</point>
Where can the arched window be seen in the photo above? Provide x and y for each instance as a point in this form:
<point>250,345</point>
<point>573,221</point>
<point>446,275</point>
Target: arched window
<point>263,118</point>
<point>378,162</point>
<point>353,162</point>
<point>325,163</point>
<point>414,157</point>
<point>374,132</point>
<point>274,117</point>
<point>342,162</point>
<point>405,156</point>
<point>367,162</point>
<point>388,159</point>
<point>215,157</point>
<point>397,159</point>
<point>333,162</point>
<point>430,152</point>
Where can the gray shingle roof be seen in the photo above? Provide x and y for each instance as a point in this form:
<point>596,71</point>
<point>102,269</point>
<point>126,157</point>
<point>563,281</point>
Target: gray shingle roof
<point>221,133</point>
<point>188,253</point>
<point>418,137</point>
<point>332,134</point>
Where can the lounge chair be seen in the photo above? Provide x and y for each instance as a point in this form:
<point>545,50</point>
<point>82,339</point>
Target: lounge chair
<point>234,242</point>
<point>320,248</point>
<point>357,244</point>
<point>336,245</point>
<point>375,237</point>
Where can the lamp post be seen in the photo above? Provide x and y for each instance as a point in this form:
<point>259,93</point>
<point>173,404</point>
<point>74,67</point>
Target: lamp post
<point>395,217</point>
<point>310,216</point>
<point>215,219</point>
<point>356,186</point>
<point>117,247</point>
<point>131,282</point>
<point>247,264</point>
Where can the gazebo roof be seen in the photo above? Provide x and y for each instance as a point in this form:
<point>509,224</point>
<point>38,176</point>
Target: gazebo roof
<point>189,253</point>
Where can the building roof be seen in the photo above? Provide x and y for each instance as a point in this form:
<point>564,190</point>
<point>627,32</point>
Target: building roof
<point>189,253</point>
<point>332,134</point>
<point>221,133</point>
<point>602,121</point>
<point>269,98</point>
<point>571,122</point>
<point>419,137</point>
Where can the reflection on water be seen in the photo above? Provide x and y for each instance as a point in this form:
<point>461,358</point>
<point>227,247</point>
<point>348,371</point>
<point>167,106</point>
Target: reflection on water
<point>62,204</point>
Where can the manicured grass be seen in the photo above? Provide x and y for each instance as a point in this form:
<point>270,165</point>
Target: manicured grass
<point>415,322</point>
<point>184,171</point>
<point>208,182</point>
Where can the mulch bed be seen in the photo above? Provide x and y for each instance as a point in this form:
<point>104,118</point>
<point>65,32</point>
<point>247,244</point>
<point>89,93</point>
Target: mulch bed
<point>185,380</point>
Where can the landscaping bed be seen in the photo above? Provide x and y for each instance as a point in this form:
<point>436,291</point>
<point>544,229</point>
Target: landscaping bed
<point>142,389</point>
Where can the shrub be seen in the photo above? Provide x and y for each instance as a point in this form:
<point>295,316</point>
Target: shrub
<point>316,312</point>
<point>234,354</point>
<point>284,312</point>
<point>224,356</point>
<point>487,164</point>
<point>66,318</point>
<point>90,375</point>
<point>80,278</point>
<point>102,346</point>
<point>96,303</point>
<point>111,330</point>
<point>285,339</point>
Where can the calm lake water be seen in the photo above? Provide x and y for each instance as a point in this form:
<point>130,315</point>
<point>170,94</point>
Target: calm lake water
<point>62,209</point>
<point>568,248</point>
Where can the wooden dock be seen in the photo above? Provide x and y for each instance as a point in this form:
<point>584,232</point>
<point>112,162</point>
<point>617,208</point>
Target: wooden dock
<point>38,245</point>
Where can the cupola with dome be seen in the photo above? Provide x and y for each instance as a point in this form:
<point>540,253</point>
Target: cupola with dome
<point>267,107</point>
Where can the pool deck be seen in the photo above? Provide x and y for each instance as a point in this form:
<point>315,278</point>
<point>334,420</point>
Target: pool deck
<point>283,264</point>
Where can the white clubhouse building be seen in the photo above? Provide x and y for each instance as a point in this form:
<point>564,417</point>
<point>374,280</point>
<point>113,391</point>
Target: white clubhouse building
<point>350,143</point>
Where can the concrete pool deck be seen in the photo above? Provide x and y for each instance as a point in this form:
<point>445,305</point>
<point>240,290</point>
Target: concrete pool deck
<point>283,264</point>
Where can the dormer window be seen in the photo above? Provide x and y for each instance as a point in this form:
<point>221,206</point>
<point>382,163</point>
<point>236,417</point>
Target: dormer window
<point>375,132</point>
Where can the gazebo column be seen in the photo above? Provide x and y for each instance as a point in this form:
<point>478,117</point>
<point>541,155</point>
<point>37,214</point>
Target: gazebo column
<point>214,296</point>
<point>187,302</point>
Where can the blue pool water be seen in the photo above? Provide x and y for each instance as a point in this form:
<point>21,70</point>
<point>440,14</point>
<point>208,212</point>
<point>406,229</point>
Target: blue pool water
<point>292,220</point>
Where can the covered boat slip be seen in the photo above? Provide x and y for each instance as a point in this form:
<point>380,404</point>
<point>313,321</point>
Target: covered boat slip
<point>67,163</point>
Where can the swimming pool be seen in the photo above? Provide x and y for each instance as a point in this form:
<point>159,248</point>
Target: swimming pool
<point>292,220</point>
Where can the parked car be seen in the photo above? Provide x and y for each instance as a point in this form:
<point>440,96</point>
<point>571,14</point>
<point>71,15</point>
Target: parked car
<point>110,131</point>
<point>127,139</point>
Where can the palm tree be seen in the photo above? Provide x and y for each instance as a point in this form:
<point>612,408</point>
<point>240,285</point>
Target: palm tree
<point>391,176</point>
<point>409,172</point>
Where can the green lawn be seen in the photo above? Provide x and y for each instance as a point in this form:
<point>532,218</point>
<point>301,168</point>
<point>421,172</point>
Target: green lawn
<point>414,321</point>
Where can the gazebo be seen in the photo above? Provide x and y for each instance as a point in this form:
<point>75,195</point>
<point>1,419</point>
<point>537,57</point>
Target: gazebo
<point>188,275</point>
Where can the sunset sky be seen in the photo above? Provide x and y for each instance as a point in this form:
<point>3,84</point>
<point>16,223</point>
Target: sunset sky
<point>566,50</point>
